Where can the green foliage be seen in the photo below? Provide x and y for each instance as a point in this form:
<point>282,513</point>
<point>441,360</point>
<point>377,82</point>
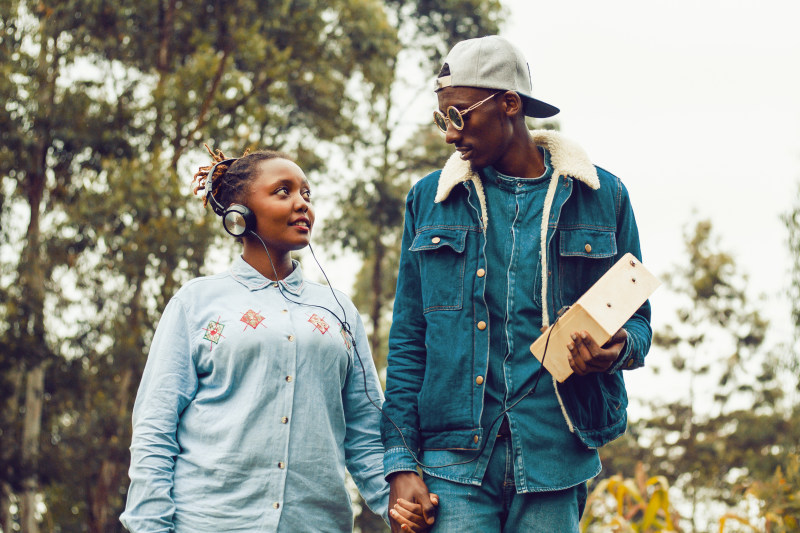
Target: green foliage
<point>780,497</point>
<point>635,505</point>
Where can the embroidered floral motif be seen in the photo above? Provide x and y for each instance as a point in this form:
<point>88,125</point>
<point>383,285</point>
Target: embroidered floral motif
<point>252,318</point>
<point>214,332</point>
<point>319,323</point>
<point>346,338</point>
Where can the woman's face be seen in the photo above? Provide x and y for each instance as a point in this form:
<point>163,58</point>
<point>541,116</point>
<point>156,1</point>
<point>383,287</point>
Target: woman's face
<point>280,198</point>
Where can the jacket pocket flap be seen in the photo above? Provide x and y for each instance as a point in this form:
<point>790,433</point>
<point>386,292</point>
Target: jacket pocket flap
<point>587,243</point>
<point>434,238</point>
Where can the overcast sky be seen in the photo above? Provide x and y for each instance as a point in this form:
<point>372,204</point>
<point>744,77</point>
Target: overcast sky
<point>695,105</point>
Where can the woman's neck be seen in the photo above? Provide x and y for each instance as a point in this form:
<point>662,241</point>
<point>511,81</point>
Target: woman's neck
<point>274,265</point>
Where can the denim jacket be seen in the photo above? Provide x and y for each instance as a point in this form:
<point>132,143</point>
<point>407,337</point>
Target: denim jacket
<point>439,342</point>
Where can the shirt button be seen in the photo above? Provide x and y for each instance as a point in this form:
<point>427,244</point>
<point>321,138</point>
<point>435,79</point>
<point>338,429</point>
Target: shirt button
<point>479,380</point>
<point>284,420</point>
<point>588,248</point>
<point>475,439</point>
<point>275,284</point>
<point>481,325</point>
<point>291,338</point>
<point>281,465</point>
<point>285,311</point>
<point>288,379</point>
<point>481,272</point>
<point>630,363</point>
<point>436,240</point>
<point>276,505</point>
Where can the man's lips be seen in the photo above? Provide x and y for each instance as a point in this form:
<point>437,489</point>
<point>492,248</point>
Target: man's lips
<point>465,152</point>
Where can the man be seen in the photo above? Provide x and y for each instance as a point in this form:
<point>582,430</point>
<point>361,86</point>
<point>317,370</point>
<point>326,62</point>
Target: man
<point>516,226</point>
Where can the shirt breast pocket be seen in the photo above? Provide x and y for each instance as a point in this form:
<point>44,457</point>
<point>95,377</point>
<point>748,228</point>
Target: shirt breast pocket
<point>584,256</point>
<point>441,262</point>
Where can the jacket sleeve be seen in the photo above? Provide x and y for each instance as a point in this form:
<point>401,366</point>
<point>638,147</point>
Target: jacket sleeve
<point>362,398</point>
<point>406,359</point>
<point>640,333</point>
<point>169,383</point>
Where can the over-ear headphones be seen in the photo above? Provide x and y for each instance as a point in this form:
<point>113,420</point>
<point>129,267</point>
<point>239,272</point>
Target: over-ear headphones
<point>237,219</point>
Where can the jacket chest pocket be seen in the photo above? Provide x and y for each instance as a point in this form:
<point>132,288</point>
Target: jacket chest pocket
<point>441,263</point>
<point>584,255</point>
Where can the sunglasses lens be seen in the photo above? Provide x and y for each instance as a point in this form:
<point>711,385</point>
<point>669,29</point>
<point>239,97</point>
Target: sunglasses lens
<point>455,117</point>
<point>440,121</point>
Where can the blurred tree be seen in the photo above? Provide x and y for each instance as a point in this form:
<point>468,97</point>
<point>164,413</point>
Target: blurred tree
<point>792,221</point>
<point>719,421</point>
<point>101,102</point>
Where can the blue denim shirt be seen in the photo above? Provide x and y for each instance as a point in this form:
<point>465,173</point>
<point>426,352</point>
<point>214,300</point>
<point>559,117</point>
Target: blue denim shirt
<point>249,409</point>
<point>439,342</point>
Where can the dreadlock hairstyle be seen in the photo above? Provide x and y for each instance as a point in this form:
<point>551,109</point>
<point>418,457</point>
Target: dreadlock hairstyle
<point>231,183</point>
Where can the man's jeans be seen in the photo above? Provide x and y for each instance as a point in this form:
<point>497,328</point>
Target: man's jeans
<point>495,506</point>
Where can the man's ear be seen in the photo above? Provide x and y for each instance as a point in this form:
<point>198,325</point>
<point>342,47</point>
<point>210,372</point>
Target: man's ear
<point>512,103</point>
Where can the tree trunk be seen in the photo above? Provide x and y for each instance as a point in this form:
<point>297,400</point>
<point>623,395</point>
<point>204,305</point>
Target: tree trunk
<point>377,296</point>
<point>34,396</point>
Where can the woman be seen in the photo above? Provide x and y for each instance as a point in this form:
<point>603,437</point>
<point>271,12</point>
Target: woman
<point>259,387</point>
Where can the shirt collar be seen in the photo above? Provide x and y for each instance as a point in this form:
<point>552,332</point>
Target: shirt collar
<point>251,278</point>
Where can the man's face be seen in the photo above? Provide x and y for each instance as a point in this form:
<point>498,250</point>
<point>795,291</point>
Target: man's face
<point>487,130</point>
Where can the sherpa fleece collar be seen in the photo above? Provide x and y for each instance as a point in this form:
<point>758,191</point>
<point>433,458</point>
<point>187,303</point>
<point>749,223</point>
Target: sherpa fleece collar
<point>566,157</point>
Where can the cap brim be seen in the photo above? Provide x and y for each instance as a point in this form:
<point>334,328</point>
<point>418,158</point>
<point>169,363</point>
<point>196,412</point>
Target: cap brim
<point>538,109</point>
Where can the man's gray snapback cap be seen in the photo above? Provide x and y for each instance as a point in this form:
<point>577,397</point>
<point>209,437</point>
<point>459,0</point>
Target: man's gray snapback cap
<point>492,63</point>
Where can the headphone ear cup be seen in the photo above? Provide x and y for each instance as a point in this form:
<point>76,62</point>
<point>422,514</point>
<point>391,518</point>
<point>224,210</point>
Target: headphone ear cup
<point>238,220</point>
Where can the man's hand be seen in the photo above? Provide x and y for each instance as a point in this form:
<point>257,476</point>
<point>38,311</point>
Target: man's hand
<point>585,356</point>
<point>406,516</point>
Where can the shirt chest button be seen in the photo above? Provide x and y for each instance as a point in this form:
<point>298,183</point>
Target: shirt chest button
<point>475,439</point>
<point>481,325</point>
<point>479,380</point>
<point>588,248</point>
<point>481,272</point>
<point>436,240</point>
<point>284,420</point>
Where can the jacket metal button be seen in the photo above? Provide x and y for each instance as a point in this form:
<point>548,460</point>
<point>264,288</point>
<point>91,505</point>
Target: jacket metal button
<point>276,505</point>
<point>479,380</point>
<point>588,248</point>
<point>281,465</point>
<point>436,240</point>
<point>630,363</point>
<point>291,338</point>
<point>288,378</point>
<point>481,325</point>
<point>481,272</point>
<point>284,420</point>
<point>475,439</point>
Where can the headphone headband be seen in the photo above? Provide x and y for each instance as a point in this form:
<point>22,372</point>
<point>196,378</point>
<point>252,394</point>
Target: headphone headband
<point>215,205</point>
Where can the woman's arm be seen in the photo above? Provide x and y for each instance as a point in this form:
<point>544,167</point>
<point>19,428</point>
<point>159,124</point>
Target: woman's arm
<point>168,385</point>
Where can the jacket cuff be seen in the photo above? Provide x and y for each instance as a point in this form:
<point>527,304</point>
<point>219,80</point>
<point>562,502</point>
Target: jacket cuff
<point>625,359</point>
<point>398,459</point>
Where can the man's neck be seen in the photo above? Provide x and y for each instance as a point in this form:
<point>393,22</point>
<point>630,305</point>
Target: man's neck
<point>522,159</point>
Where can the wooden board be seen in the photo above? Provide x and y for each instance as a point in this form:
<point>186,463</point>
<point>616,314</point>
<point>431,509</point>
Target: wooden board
<point>601,311</point>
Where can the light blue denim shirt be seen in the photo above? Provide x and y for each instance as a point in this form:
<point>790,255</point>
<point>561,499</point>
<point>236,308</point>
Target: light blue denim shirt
<point>250,408</point>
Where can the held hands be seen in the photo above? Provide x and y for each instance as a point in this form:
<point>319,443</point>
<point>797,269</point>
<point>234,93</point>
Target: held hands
<point>585,356</point>
<point>411,506</point>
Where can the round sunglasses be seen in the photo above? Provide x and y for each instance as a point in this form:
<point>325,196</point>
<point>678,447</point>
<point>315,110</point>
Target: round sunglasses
<point>456,117</point>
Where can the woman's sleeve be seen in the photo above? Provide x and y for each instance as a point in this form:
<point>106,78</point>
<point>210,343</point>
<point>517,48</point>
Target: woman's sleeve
<point>169,383</point>
<point>363,448</point>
